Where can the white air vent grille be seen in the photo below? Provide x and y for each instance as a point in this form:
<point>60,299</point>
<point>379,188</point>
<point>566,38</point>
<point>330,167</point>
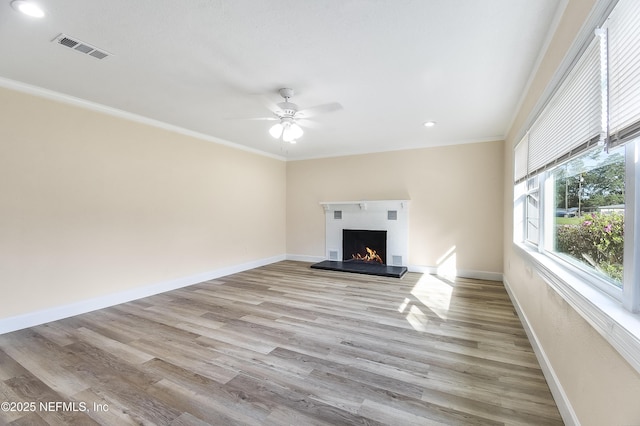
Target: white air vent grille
<point>81,46</point>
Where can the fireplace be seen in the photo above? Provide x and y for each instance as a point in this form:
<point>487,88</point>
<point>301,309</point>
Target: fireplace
<point>366,237</point>
<point>361,245</point>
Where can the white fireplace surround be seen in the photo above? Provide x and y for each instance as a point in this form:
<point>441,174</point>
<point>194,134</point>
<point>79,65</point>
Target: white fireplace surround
<point>376,215</point>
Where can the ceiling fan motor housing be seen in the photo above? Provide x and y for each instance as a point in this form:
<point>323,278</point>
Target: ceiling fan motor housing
<point>288,109</point>
<point>286,92</point>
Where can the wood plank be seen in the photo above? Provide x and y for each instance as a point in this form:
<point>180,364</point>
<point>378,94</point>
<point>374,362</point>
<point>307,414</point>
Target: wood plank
<point>286,344</point>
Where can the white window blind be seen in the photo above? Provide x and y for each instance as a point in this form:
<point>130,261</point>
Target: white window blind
<point>624,65</point>
<point>572,117</point>
<point>521,154</point>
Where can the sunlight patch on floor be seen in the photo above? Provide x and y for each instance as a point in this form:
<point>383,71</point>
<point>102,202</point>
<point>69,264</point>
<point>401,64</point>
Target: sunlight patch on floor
<point>417,318</point>
<point>434,293</point>
<point>404,304</point>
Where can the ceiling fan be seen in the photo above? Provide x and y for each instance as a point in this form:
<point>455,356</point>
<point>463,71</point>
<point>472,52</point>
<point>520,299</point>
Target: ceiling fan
<point>290,116</point>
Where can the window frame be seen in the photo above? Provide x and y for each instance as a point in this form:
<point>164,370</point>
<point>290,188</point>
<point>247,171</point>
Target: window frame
<point>611,311</point>
<point>533,192</point>
<point>548,208</point>
<point>629,295</point>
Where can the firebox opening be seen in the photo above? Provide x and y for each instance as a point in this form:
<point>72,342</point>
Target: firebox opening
<point>362,245</point>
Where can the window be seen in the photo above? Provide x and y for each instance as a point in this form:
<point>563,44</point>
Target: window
<point>576,168</point>
<point>577,178</point>
<point>588,206</point>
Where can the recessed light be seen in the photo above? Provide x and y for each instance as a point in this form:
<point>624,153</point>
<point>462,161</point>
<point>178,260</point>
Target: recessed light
<point>429,123</point>
<point>28,8</point>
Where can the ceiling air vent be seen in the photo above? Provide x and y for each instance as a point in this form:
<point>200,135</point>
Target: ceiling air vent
<point>81,46</point>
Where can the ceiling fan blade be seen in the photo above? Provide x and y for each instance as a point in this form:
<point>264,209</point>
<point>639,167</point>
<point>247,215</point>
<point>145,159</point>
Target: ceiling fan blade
<point>269,104</point>
<point>319,109</point>
<point>307,124</point>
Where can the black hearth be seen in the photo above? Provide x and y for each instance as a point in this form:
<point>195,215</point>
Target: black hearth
<point>362,268</point>
<point>363,252</point>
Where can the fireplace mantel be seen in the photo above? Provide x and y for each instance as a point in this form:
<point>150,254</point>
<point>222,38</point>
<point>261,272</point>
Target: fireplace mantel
<point>365,204</point>
<point>385,215</point>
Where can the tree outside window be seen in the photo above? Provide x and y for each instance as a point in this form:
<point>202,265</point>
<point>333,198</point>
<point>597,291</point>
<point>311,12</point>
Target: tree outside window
<point>589,211</point>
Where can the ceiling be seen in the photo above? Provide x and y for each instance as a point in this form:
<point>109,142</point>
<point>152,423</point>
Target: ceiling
<point>202,64</point>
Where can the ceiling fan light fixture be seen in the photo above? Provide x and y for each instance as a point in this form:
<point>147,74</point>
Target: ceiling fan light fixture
<point>287,134</point>
<point>296,131</point>
<point>276,130</point>
<point>291,132</point>
<point>28,8</point>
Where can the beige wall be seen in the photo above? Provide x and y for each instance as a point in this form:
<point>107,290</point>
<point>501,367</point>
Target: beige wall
<point>602,388</point>
<point>455,193</point>
<point>93,205</point>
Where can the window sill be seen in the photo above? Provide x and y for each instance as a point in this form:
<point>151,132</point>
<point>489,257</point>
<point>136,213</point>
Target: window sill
<point>618,326</point>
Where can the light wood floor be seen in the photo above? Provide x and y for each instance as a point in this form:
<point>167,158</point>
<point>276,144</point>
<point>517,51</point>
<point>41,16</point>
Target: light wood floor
<point>285,344</point>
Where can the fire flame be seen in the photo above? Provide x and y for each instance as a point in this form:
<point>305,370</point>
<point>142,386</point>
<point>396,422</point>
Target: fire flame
<point>371,256</point>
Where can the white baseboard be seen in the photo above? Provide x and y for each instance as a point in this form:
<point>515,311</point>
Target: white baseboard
<point>462,273</point>
<point>305,258</point>
<point>562,401</point>
<point>19,322</point>
<point>422,269</point>
<point>480,275</point>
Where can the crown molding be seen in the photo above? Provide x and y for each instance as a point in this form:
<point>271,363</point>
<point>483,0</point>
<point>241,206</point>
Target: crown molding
<point>115,112</point>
